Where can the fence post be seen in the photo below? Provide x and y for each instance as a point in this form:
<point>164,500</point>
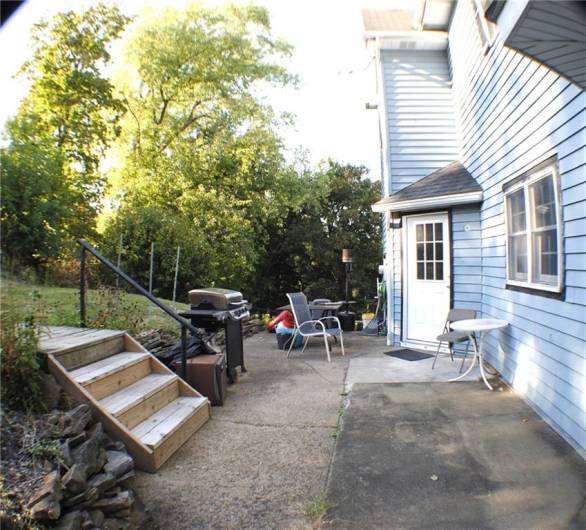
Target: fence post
<point>119,262</point>
<point>151,275</point>
<point>82,288</point>
<point>151,268</point>
<point>175,281</point>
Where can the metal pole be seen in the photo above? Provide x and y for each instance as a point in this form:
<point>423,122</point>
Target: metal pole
<point>82,288</point>
<point>176,274</point>
<point>151,269</point>
<point>184,353</point>
<point>119,261</point>
<point>151,274</point>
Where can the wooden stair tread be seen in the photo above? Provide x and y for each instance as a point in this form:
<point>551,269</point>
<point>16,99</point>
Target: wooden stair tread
<point>161,425</point>
<point>109,365</point>
<point>133,394</point>
<point>57,340</point>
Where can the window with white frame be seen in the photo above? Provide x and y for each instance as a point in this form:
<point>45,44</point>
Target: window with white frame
<point>534,239</point>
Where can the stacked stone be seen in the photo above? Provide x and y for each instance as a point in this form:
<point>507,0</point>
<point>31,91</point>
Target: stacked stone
<point>157,341</point>
<point>89,489</point>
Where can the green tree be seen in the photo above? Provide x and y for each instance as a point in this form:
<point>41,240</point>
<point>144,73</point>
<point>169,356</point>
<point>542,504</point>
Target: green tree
<point>200,162</point>
<point>51,181</point>
<point>304,251</point>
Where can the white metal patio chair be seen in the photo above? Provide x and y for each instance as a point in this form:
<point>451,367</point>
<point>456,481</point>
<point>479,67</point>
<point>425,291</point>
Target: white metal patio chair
<point>452,337</point>
<point>308,327</point>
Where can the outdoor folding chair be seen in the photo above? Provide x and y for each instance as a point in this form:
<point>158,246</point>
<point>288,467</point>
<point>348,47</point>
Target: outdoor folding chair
<point>451,337</point>
<point>308,327</point>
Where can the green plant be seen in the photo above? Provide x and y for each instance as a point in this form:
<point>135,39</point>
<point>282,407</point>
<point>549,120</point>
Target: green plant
<point>318,508</point>
<point>338,426</point>
<point>115,311</point>
<point>21,361</point>
<point>45,450</point>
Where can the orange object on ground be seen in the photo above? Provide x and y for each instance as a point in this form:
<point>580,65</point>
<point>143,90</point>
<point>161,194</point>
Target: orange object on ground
<point>286,317</point>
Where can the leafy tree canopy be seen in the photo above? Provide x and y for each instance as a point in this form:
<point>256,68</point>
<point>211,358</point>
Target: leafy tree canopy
<point>304,253</point>
<point>197,146</point>
<point>51,185</point>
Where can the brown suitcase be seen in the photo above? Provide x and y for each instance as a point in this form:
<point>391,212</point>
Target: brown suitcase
<point>207,374</point>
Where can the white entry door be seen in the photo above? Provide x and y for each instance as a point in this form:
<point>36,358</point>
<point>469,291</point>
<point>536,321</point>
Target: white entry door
<point>427,272</point>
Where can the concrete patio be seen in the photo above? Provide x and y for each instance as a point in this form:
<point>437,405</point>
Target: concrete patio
<point>272,450</point>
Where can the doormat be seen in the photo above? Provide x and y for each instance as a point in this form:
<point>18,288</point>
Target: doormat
<point>408,355</point>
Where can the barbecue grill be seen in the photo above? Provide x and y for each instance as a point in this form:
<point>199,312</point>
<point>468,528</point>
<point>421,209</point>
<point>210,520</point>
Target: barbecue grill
<point>213,309</point>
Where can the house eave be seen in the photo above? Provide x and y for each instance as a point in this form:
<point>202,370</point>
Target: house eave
<point>408,40</point>
<point>428,203</point>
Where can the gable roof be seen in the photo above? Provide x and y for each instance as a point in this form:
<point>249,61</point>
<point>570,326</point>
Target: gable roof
<point>450,185</point>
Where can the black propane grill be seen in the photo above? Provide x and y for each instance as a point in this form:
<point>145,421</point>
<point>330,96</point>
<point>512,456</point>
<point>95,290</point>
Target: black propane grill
<point>213,309</point>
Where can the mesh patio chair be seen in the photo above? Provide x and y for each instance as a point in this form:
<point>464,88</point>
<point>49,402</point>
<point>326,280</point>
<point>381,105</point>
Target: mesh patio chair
<point>308,327</point>
<point>452,337</point>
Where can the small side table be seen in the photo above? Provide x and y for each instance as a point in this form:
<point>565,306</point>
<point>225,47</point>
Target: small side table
<point>482,326</point>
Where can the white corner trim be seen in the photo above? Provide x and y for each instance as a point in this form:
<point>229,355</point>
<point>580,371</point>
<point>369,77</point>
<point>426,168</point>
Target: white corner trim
<point>428,202</point>
<point>383,125</point>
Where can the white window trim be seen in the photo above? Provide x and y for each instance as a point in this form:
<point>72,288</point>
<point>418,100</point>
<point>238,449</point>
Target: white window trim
<point>550,170</point>
<point>482,23</point>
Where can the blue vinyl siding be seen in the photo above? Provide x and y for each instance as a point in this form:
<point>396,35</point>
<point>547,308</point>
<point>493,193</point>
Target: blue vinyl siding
<point>513,113</point>
<point>466,258</point>
<point>420,114</point>
<point>421,139</point>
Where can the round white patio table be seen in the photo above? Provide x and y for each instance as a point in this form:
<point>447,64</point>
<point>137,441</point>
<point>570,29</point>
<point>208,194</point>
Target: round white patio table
<point>483,326</point>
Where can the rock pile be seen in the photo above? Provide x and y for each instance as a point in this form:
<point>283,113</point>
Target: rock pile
<point>89,489</point>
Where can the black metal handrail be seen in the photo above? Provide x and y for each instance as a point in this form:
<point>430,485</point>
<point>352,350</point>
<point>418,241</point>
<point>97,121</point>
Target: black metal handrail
<point>185,324</point>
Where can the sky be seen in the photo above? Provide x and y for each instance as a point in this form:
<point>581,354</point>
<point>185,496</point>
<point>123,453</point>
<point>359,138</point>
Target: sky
<point>335,68</point>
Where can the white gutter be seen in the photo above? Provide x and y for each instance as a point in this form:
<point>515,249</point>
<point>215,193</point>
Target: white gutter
<point>414,40</point>
<point>428,202</point>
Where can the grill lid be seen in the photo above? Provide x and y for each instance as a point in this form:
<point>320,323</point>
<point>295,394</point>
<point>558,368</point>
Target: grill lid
<point>215,298</point>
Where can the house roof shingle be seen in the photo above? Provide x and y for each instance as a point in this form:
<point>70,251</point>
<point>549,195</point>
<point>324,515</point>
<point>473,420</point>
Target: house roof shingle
<point>453,179</point>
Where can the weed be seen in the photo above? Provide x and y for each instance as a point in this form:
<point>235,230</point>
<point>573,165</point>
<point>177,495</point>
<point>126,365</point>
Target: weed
<point>338,426</point>
<point>115,311</point>
<point>318,508</point>
<point>21,362</point>
<point>46,451</point>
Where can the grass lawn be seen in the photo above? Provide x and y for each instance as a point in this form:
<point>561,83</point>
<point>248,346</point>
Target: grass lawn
<point>59,306</point>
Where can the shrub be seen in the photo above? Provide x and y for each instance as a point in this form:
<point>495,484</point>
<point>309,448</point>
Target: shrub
<point>20,361</point>
<point>115,311</point>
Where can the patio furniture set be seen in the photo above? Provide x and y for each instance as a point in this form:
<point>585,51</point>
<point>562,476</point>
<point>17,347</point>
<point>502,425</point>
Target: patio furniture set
<point>311,320</point>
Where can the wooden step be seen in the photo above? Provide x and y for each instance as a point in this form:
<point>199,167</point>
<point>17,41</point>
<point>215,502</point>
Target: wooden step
<point>138,401</point>
<point>156,429</point>
<point>169,428</point>
<point>113,373</point>
<point>76,347</point>
<point>128,389</point>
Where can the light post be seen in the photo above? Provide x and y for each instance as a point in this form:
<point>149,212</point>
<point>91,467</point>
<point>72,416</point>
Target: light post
<point>347,260</point>
<point>347,318</point>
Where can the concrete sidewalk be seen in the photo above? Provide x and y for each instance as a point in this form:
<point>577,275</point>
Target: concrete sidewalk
<point>436,455</point>
<point>264,456</point>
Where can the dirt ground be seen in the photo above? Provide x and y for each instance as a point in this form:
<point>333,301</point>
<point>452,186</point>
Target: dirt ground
<point>264,457</point>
